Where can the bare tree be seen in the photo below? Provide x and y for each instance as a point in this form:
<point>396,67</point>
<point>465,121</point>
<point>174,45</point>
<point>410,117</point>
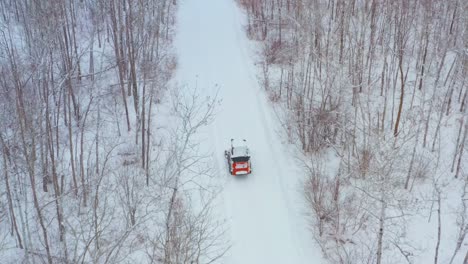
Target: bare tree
<point>462,221</point>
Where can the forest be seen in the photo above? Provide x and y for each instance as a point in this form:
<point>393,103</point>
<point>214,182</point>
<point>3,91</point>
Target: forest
<point>79,88</point>
<point>374,94</point>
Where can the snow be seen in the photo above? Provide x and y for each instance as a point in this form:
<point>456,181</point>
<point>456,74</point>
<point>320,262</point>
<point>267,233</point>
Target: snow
<point>240,152</point>
<point>264,211</point>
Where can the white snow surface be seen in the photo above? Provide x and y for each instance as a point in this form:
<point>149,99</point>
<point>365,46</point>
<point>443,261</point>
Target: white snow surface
<point>240,152</point>
<point>264,210</point>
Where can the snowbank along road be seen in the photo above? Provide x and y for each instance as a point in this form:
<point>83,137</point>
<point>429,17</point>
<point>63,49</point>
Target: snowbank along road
<point>264,212</point>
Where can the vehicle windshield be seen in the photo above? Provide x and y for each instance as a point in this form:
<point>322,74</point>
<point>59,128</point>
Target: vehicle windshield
<point>241,159</point>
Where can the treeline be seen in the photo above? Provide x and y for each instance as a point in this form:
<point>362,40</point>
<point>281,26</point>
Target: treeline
<point>384,85</point>
<point>79,85</point>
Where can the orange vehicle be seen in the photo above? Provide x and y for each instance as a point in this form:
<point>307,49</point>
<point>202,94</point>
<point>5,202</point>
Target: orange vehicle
<point>238,158</point>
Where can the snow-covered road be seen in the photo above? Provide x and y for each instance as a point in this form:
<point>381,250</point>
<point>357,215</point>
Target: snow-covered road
<point>265,219</point>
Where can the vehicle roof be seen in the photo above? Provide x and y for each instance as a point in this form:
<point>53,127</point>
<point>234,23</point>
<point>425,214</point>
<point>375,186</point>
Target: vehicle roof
<point>240,151</point>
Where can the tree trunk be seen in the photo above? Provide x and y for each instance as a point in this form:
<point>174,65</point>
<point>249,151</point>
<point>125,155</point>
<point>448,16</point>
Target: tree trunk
<point>408,176</point>
<point>11,208</point>
<point>82,168</point>
<point>423,64</point>
<point>439,229</point>
<point>402,95</point>
<point>381,230</point>
<point>462,147</point>
<point>72,157</point>
<point>457,144</point>
<point>119,59</point>
<point>148,140</point>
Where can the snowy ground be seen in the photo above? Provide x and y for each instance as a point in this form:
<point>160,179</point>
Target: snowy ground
<point>264,210</point>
